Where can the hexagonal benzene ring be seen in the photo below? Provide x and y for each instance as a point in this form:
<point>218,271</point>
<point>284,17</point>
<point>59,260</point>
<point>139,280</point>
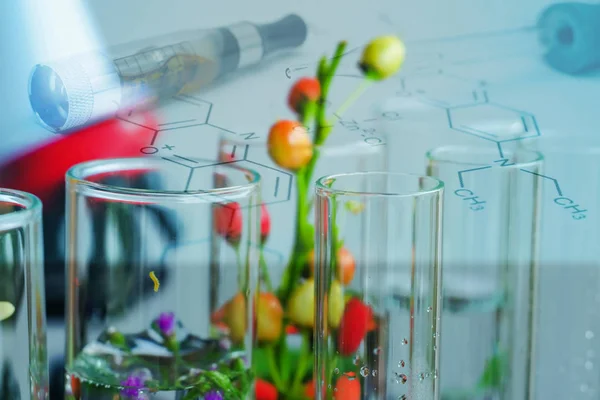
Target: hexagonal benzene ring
<point>442,90</point>
<point>192,142</point>
<point>276,184</point>
<point>493,122</point>
<point>179,112</point>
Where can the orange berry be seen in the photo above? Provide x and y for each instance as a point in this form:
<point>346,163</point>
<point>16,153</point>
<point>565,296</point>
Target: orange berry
<point>346,266</point>
<point>235,317</point>
<point>310,389</point>
<point>269,318</point>
<point>347,388</point>
<point>289,144</point>
<point>304,91</point>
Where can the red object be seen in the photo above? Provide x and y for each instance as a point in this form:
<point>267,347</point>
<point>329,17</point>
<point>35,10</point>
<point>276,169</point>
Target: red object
<point>75,387</point>
<point>41,171</point>
<point>347,388</point>
<point>228,221</point>
<point>310,389</point>
<point>265,390</point>
<point>265,223</point>
<point>354,326</point>
<point>292,330</point>
<point>304,90</point>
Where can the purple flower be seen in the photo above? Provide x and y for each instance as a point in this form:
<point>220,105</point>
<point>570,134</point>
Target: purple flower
<point>213,395</point>
<point>166,323</point>
<point>132,386</point>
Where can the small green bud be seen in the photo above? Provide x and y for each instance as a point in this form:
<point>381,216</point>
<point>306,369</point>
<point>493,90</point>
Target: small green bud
<point>382,57</point>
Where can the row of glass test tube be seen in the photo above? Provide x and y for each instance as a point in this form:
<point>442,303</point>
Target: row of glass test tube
<point>449,261</point>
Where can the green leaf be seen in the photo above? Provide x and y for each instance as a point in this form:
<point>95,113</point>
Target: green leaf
<point>494,369</point>
<point>289,359</point>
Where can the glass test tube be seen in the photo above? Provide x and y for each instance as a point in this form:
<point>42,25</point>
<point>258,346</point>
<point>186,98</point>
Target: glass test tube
<point>490,260</point>
<point>343,152</point>
<point>23,347</point>
<point>377,337</point>
<point>179,326</point>
<point>569,317</point>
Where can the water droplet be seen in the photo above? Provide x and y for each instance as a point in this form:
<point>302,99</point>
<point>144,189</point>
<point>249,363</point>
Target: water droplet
<point>374,373</point>
<point>364,371</point>
<point>434,348</point>
<point>429,309</point>
<point>350,376</point>
<point>589,334</point>
<point>377,350</point>
<point>590,353</point>
<point>356,360</point>
<point>401,363</point>
<point>584,388</point>
<point>404,341</point>
<point>401,378</point>
<point>336,371</point>
<point>402,397</point>
<point>422,377</point>
<point>435,335</point>
<point>589,365</point>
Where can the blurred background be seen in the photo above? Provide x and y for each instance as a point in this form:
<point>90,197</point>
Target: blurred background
<point>475,73</point>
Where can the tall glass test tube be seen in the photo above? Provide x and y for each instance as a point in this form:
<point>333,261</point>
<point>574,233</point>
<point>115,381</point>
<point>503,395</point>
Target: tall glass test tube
<point>23,347</point>
<point>569,316</point>
<point>172,316</point>
<point>377,282</point>
<point>490,260</point>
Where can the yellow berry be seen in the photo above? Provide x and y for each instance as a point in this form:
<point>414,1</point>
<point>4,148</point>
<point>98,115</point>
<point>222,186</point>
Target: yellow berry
<point>301,306</point>
<point>335,308</point>
<point>382,57</point>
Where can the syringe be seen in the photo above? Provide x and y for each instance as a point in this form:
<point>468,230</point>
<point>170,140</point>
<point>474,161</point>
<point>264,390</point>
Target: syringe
<point>69,93</point>
<point>566,36</point>
<point>570,36</point>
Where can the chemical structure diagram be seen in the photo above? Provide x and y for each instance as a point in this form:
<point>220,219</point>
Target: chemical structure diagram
<point>469,110</point>
<point>473,113</point>
<point>187,117</point>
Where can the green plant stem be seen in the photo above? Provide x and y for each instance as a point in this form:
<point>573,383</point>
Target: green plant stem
<point>304,241</point>
<point>274,370</point>
<point>305,357</point>
<point>264,270</point>
<point>304,231</point>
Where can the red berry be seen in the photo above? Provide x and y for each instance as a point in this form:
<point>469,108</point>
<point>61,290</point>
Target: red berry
<point>75,387</point>
<point>347,388</point>
<point>353,327</point>
<point>265,390</point>
<point>228,221</point>
<point>265,223</point>
<point>305,90</point>
<point>290,146</point>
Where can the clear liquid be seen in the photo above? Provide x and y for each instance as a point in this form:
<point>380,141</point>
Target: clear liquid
<point>145,365</point>
<point>469,336</point>
<point>23,348</point>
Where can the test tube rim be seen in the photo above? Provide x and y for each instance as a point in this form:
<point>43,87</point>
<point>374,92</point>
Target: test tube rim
<point>322,190</point>
<point>31,209</point>
<point>78,180</point>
